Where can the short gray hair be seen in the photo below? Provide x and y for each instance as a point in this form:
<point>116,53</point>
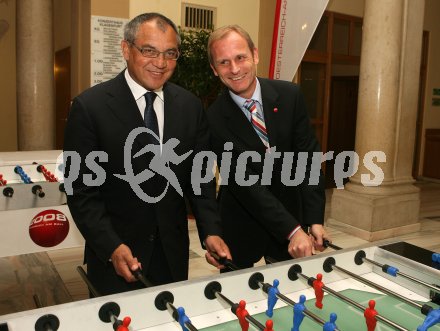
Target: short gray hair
<point>132,27</point>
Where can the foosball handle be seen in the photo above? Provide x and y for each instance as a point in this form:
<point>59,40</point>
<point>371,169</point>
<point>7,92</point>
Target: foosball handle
<point>327,243</point>
<point>61,188</point>
<point>224,261</point>
<point>38,190</point>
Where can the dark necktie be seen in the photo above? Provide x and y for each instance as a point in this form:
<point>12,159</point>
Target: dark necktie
<point>150,117</point>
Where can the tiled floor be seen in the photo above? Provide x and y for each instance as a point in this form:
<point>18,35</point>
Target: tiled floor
<point>54,278</point>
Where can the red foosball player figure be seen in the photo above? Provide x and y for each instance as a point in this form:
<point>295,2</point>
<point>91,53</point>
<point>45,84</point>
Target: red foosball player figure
<point>125,323</point>
<point>370,315</point>
<point>319,293</point>
<point>2,181</point>
<point>269,326</point>
<point>241,313</point>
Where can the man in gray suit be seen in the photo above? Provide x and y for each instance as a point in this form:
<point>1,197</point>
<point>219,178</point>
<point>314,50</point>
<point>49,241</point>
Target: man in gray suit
<point>122,231</point>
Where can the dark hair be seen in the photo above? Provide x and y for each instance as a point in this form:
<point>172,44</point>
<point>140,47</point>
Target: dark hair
<point>132,27</point>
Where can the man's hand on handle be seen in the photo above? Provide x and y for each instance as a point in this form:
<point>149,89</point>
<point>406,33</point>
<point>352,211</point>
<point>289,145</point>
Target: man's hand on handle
<point>217,245</point>
<point>124,263</point>
<point>318,235</point>
<point>302,244</point>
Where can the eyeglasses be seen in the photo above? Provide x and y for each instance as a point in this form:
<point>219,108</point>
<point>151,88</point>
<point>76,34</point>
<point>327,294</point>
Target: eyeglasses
<point>169,54</point>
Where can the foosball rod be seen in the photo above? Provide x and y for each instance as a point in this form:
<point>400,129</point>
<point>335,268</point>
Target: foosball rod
<point>330,264</point>
<point>173,311</point>
<point>46,322</point>
<point>265,287</point>
<point>164,301</point>
<point>108,312</point>
<point>90,286</point>
<point>390,270</point>
<point>258,279</point>
<point>296,270</point>
<point>50,177</point>
<point>137,274</point>
<point>248,318</point>
<point>213,290</point>
<point>141,277</point>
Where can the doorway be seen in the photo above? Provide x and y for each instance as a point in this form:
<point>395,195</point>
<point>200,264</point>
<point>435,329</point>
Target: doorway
<point>62,93</point>
<point>342,120</point>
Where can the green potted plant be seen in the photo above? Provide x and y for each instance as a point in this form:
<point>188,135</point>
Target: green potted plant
<point>193,71</point>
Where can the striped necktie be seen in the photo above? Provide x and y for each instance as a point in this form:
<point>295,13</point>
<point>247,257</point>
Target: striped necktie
<point>257,121</point>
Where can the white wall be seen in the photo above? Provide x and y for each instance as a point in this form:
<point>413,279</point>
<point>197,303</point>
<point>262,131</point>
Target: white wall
<point>242,12</point>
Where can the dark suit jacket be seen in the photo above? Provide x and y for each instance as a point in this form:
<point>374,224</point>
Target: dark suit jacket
<point>100,120</point>
<point>257,219</point>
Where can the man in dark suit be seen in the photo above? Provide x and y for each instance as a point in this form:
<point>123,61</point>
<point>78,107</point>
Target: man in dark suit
<point>258,116</point>
<point>123,230</point>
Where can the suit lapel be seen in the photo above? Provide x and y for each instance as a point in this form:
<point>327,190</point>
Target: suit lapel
<point>170,105</point>
<point>124,107</point>
<point>239,125</point>
<point>270,109</point>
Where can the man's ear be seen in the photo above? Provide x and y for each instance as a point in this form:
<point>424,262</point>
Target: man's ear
<point>213,69</point>
<point>125,46</point>
<point>255,52</point>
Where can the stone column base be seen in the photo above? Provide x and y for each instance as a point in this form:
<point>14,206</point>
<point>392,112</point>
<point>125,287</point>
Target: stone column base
<point>375,217</point>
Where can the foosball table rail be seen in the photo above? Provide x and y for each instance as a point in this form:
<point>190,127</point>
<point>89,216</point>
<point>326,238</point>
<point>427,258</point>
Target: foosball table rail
<point>140,304</point>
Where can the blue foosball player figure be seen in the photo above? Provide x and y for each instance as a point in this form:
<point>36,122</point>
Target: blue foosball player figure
<point>183,318</point>
<point>330,325</point>
<point>431,319</point>
<point>272,297</point>
<point>436,260</point>
<point>298,313</point>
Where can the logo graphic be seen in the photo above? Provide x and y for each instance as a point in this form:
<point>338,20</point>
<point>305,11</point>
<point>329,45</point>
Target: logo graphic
<point>159,164</point>
<point>49,228</point>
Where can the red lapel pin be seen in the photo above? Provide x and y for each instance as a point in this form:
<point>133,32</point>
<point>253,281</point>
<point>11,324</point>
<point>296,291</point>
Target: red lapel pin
<point>275,110</point>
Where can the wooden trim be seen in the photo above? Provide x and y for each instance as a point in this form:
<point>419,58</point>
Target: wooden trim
<point>346,17</point>
<point>346,59</point>
<point>315,56</point>
<point>328,58</point>
<point>328,74</point>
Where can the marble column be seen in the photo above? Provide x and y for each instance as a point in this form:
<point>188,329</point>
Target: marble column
<point>386,121</point>
<point>35,75</point>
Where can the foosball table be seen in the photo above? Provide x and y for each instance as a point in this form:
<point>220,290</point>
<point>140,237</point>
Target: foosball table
<point>34,216</point>
<point>382,286</point>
